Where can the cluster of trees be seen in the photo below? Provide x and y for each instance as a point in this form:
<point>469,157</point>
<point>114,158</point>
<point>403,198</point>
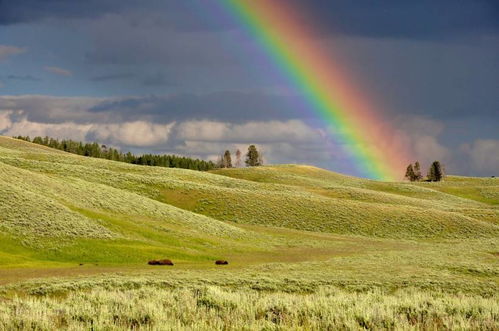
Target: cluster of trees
<point>104,152</point>
<point>435,172</point>
<point>253,158</point>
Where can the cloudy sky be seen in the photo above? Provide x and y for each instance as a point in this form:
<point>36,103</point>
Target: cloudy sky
<point>176,76</point>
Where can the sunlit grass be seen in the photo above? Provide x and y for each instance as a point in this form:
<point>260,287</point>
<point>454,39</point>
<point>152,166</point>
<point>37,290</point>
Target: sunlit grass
<point>214,307</point>
<point>307,248</point>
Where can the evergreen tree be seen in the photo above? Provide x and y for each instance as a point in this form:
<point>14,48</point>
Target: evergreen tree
<point>435,173</point>
<point>252,157</point>
<point>417,171</point>
<point>220,162</point>
<point>227,160</point>
<point>409,173</point>
<point>238,158</point>
<point>110,153</point>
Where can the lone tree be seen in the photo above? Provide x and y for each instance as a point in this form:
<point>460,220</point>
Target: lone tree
<point>253,157</point>
<point>409,173</point>
<point>238,158</point>
<point>417,171</point>
<point>220,162</point>
<point>435,173</point>
<point>227,160</point>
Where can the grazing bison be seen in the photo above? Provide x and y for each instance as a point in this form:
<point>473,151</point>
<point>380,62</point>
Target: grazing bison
<point>160,262</point>
<point>221,262</point>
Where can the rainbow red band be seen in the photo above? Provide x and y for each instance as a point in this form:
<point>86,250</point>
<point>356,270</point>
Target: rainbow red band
<point>365,138</point>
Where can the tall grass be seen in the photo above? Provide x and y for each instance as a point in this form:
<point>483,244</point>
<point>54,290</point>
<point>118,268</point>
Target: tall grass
<point>219,308</point>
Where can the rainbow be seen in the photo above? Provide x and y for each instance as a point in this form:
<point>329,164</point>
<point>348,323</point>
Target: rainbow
<point>286,40</point>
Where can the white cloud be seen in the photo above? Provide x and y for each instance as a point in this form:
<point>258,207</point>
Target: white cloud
<point>58,71</point>
<point>138,133</point>
<point>282,141</point>
<point>272,152</point>
<point>8,51</point>
<point>5,121</point>
<point>257,132</point>
<point>71,130</point>
<point>289,141</point>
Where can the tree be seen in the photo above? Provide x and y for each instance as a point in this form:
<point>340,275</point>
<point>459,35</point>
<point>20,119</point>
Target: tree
<point>252,157</point>
<point>435,173</point>
<point>417,171</point>
<point>227,160</point>
<point>409,173</point>
<point>220,162</point>
<point>102,151</point>
<point>238,158</point>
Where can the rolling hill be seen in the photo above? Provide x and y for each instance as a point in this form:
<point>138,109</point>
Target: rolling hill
<point>76,234</point>
<point>61,208</point>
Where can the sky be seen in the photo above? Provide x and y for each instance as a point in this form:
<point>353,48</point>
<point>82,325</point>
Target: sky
<point>181,76</point>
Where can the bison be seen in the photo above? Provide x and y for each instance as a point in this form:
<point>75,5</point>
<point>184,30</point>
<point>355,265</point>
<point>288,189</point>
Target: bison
<point>160,262</point>
<point>221,262</point>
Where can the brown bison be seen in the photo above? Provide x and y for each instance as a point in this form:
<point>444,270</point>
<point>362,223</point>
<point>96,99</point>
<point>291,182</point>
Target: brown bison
<point>221,262</point>
<point>160,262</point>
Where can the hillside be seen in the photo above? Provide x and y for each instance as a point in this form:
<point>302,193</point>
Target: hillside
<point>61,208</point>
<point>307,248</point>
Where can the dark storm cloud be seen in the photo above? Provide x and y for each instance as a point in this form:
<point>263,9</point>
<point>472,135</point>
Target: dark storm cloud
<point>402,18</point>
<point>158,79</point>
<point>228,106</point>
<point>422,19</point>
<point>129,39</point>
<point>28,78</point>
<point>26,11</point>
<point>183,15</point>
<point>445,80</point>
<point>113,77</point>
<point>434,63</point>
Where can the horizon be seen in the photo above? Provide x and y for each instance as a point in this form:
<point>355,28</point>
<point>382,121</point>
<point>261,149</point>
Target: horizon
<point>233,153</point>
<point>187,78</point>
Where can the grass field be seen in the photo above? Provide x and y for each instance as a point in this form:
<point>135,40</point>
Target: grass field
<point>307,248</point>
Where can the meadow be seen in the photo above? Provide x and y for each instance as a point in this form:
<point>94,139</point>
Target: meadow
<point>213,307</point>
<point>307,248</point>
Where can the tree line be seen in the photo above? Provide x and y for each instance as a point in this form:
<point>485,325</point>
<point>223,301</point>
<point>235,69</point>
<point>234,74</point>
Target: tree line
<point>253,158</point>
<point>435,172</point>
<point>104,152</point>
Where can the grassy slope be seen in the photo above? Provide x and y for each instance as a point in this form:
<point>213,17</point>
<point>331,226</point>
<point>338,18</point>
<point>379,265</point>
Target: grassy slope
<point>131,212</point>
<point>58,210</point>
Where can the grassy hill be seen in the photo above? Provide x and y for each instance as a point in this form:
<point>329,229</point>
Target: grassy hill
<point>76,233</point>
<point>58,207</point>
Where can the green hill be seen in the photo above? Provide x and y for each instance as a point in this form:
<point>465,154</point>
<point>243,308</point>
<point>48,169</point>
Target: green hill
<point>61,208</point>
<point>308,248</point>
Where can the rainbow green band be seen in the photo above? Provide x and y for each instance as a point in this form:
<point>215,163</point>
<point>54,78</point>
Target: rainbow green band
<point>368,158</point>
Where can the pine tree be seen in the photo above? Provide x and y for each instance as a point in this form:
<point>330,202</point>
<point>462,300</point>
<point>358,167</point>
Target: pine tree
<point>220,162</point>
<point>417,171</point>
<point>435,173</point>
<point>252,157</point>
<point>102,151</point>
<point>409,173</point>
<point>238,158</point>
<point>227,160</point>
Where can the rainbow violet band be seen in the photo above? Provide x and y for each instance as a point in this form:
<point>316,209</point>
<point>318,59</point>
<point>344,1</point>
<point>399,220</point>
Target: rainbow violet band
<point>286,40</point>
